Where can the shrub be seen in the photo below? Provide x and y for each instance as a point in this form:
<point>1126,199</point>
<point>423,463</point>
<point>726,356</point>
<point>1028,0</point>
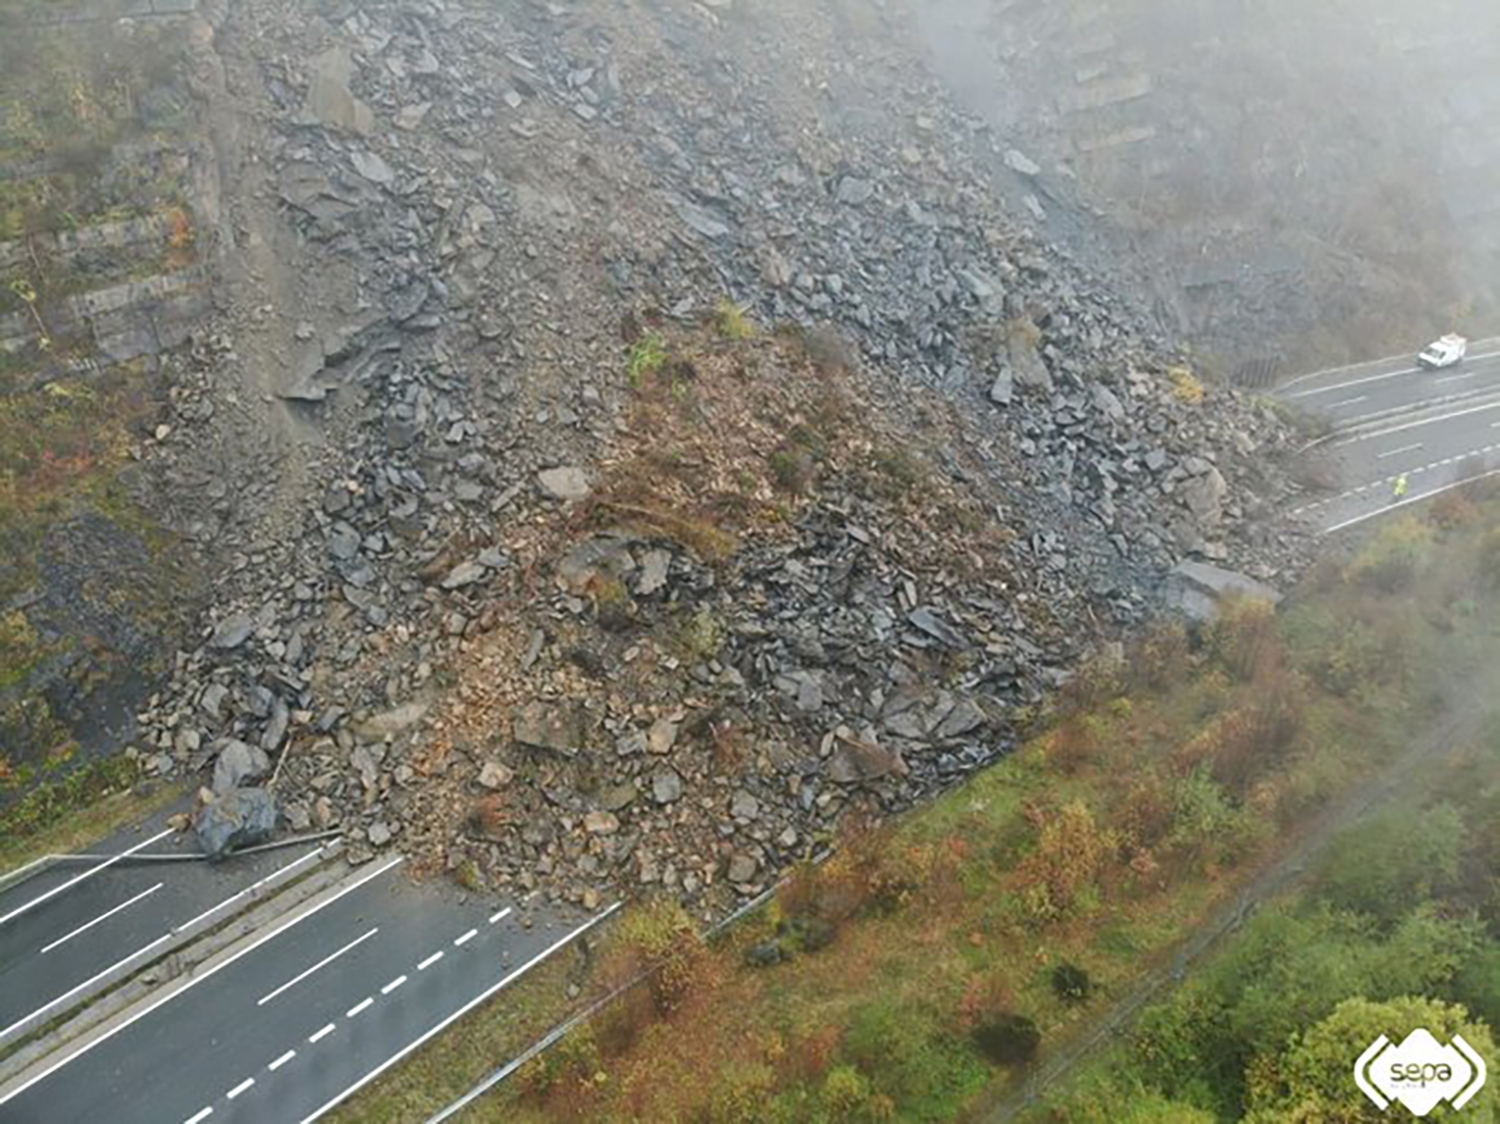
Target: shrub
<point>846,1093</point>
<point>647,356</point>
<point>1452,510</point>
<point>1390,561</point>
<point>1185,385</point>
<point>1489,559</point>
<point>731,321</point>
<point>1244,638</point>
<point>1070,852</point>
<point>1071,983</point>
<point>661,940</point>
<point>1008,1039</point>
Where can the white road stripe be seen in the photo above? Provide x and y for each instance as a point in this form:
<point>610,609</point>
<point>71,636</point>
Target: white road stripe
<point>1416,424</point>
<point>1398,452</point>
<point>393,985</point>
<point>280,872</point>
<point>1409,500</point>
<point>70,883</point>
<point>243,1086</point>
<point>199,1117</point>
<point>1454,378</point>
<point>430,961</point>
<point>1367,378</point>
<point>281,1061</point>
<point>105,916</point>
<point>327,960</point>
<point>208,973</point>
<point>466,938</point>
<point>320,1034</point>
<point>501,916</point>
<point>363,1005</point>
<point>445,1023</point>
<point>95,978</point>
<point>1349,402</point>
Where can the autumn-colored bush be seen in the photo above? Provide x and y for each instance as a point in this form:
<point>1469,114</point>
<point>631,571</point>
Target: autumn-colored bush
<point>1008,1039</point>
<point>1070,854</point>
<point>1452,510</point>
<point>1162,657</point>
<point>1144,817</point>
<point>660,940</point>
<point>1257,737</point>
<point>1244,638</point>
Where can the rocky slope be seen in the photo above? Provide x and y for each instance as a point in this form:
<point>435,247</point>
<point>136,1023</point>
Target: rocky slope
<point>531,556</point>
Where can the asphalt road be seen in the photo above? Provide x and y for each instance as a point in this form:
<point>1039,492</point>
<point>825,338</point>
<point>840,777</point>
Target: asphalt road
<point>1436,428</point>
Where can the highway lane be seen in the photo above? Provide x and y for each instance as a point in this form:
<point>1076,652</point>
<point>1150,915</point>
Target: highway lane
<point>299,1018</point>
<point>1361,394</point>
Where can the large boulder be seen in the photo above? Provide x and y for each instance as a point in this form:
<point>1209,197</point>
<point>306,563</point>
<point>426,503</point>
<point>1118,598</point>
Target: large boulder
<point>240,818</point>
<point>1196,588</point>
<point>238,763</point>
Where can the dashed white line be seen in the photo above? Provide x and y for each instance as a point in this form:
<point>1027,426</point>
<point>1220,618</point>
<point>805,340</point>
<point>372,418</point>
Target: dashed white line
<point>105,916</point>
<point>242,1087</point>
<point>430,961</point>
<point>281,1061</point>
<point>363,1005</point>
<point>1398,452</point>
<point>1455,378</point>
<point>319,1035</point>
<point>466,938</point>
<point>199,1117</point>
<point>327,960</point>
<point>501,916</point>
<point>1348,402</point>
<point>1409,500</point>
<point>393,985</point>
<point>89,873</point>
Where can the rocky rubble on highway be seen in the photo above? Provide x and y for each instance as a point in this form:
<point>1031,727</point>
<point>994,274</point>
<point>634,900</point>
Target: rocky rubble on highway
<point>559,576</point>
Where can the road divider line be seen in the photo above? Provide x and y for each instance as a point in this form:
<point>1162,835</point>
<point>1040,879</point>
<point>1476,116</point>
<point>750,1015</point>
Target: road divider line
<point>327,960</point>
<point>1349,402</point>
<point>445,1023</point>
<point>199,1117</point>
<point>93,870</point>
<point>280,872</point>
<point>105,916</point>
<point>501,916</point>
<point>318,1035</point>
<point>95,978</point>
<point>1388,508</point>
<point>281,1061</point>
<point>1420,422</point>
<point>243,1087</point>
<point>466,938</point>
<point>393,985</point>
<point>193,982</point>
<point>1454,378</point>
<point>1398,452</point>
<point>430,961</point>
<point>359,1008</point>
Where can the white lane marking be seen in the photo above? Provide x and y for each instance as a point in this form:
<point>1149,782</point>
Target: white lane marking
<point>1409,500</point>
<point>105,916</point>
<point>327,960</point>
<point>1415,424</point>
<point>430,961</point>
<point>279,872</point>
<point>1367,378</point>
<point>445,1023</point>
<point>199,1117</point>
<point>1454,378</point>
<point>466,938</point>
<point>89,873</point>
<point>281,1061</point>
<point>1349,402</point>
<point>363,1005</point>
<point>1398,452</point>
<point>95,978</point>
<point>501,916</point>
<point>320,1034</point>
<point>243,1086</point>
<point>208,973</point>
<point>393,985</point>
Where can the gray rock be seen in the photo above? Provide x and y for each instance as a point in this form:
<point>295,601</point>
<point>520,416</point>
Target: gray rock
<point>379,834</point>
<point>1018,161</point>
<point>328,97</point>
<point>666,786</point>
<point>965,717</point>
<point>927,621</point>
<point>662,736</point>
<point>557,727</point>
<point>275,732</point>
<point>1108,403</point>
<point>1196,588</point>
<point>744,806</point>
<point>566,483</point>
<point>857,761</point>
<point>702,220</point>
<point>601,823</point>
<point>232,632</point>
<point>1003,389</point>
<point>372,167</point>
<point>243,817</point>
<point>742,868</point>
<point>620,796</point>
<point>391,722</point>
<point>464,574</point>
<point>855,191</point>
<point>494,775</point>
<point>654,567</point>
<point>1204,496</point>
<point>237,763</point>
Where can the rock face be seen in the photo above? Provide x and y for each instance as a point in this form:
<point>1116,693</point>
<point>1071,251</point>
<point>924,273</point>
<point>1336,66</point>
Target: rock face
<point>1196,588</point>
<point>238,764</point>
<point>240,818</point>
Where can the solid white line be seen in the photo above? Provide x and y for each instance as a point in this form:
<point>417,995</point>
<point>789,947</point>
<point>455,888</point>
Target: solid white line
<point>324,1033</point>
<point>458,1014</point>
<point>281,1061</point>
<point>198,1117</point>
<point>279,872</point>
<point>86,983</point>
<point>89,873</point>
<point>1455,378</point>
<point>23,869</point>
<point>106,1035</point>
<point>430,961</point>
<point>241,1087</point>
<point>106,915</point>
<point>1367,378</point>
<point>327,960</point>
<point>1415,424</point>
<point>466,938</point>
<point>363,1005</point>
<point>1398,452</point>
<point>1409,500</point>
<point>501,916</point>
<point>393,985</point>
<point>1349,402</point>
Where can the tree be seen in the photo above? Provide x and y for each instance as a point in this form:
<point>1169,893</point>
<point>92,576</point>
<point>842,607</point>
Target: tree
<point>1395,860</point>
<point>1312,1080</point>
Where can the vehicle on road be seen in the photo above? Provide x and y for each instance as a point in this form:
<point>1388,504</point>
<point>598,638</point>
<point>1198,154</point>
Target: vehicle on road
<point>1445,352</point>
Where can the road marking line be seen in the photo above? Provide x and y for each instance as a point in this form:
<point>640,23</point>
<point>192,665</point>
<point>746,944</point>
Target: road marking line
<point>393,985</point>
<point>106,1035</point>
<point>363,1005</point>
<point>1455,378</point>
<point>502,915</point>
<point>445,1023</point>
<point>70,883</point>
<point>198,1117</point>
<point>277,873</point>
<point>105,916</point>
<point>327,960</point>
<point>1398,452</point>
<point>1367,378</point>
<point>97,976</point>
<point>430,961</point>
<point>281,1061</point>
<point>1414,424</point>
<point>321,1034</point>
<point>466,938</point>
<point>241,1087</point>
<point>1349,402</point>
<point>1410,500</point>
